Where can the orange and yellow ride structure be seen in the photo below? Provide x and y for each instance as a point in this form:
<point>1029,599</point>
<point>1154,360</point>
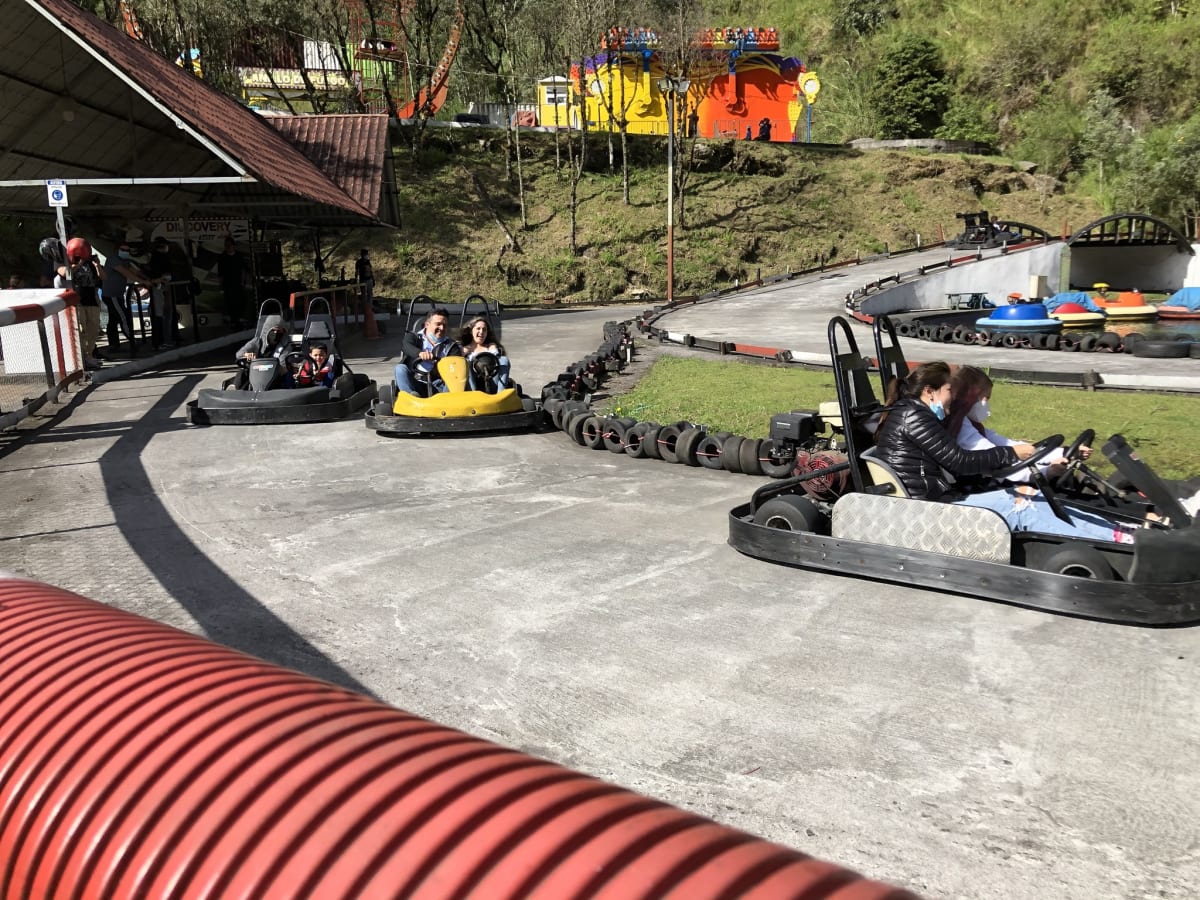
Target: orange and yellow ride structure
<point>740,86</point>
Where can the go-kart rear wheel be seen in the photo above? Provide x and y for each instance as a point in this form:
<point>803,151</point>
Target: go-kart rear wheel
<point>1079,562</point>
<point>387,398</point>
<point>789,512</point>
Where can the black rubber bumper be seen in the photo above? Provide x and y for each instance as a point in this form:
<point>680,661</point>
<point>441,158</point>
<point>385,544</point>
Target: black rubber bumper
<point>1124,602</point>
<point>525,420</point>
<point>281,407</point>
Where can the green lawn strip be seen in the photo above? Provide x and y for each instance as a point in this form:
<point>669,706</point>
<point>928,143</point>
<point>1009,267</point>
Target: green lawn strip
<point>742,397</point>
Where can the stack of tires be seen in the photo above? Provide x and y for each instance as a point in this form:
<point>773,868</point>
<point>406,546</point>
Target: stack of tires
<point>685,443</point>
<point>581,379</point>
<point>1068,342</point>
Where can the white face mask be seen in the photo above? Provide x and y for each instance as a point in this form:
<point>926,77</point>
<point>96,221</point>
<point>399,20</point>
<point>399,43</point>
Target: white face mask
<point>979,412</point>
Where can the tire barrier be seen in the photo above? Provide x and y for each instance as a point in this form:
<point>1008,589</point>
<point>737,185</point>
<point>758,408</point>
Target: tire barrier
<point>686,443</point>
<point>138,761</point>
<point>1161,349</point>
<point>581,379</point>
<point>1180,347</point>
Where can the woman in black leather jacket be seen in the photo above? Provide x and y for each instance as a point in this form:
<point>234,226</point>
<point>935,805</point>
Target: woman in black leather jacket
<point>913,440</point>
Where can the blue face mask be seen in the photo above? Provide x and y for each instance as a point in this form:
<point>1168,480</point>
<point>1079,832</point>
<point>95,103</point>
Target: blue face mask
<point>124,254</point>
<point>938,410</point>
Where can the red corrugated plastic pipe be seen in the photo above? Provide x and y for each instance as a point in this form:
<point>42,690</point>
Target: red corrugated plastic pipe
<point>139,761</point>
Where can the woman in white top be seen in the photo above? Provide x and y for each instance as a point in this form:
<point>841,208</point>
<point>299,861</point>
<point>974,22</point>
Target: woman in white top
<point>972,392</point>
<point>476,339</point>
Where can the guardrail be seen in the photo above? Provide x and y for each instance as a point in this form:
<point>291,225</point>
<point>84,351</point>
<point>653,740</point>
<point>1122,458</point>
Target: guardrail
<point>39,350</point>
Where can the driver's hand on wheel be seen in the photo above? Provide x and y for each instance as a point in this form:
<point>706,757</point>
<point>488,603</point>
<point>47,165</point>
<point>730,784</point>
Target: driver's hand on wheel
<point>1085,451</point>
<point>1023,450</point>
<point>426,355</point>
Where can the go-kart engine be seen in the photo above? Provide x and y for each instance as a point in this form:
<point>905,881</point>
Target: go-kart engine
<point>827,486</point>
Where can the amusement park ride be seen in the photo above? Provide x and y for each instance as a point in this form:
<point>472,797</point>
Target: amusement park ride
<point>740,86</point>
<point>376,75</point>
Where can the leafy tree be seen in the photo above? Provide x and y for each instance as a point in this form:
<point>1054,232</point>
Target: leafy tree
<point>862,18</point>
<point>911,91</point>
<point>1161,174</point>
<point>969,119</point>
<point>1103,140</point>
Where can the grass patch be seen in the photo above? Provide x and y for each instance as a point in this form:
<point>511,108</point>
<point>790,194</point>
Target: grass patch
<point>742,397</point>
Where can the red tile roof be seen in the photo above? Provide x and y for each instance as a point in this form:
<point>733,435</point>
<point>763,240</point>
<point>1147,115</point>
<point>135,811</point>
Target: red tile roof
<point>242,135</point>
<point>350,149</point>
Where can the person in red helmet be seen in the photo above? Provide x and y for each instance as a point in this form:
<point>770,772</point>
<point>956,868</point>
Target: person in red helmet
<point>86,277</point>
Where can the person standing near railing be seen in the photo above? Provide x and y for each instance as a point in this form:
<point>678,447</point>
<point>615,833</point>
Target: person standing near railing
<point>118,273</point>
<point>86,277</point>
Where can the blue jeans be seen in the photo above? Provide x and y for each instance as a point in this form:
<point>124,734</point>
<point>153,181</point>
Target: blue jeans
<point>1033,513</point>
<point>407,383</point>
<point>500,378</point>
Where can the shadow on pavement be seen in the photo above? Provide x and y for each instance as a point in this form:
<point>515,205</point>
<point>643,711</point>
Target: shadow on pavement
<point>218,604</point>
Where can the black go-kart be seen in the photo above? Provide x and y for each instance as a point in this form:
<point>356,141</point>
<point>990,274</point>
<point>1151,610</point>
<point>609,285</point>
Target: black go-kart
<point>847,513</point>
<point>980,232</point>
<point>261,394</point>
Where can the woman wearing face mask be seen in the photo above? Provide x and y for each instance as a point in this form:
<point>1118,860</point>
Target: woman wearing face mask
<point>972,390</point>
<point>914,441</point>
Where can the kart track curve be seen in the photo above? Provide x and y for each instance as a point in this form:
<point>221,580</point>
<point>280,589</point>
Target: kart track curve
<point>585,607</point>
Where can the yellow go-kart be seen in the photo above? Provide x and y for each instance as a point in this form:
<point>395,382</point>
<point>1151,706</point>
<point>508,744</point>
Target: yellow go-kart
<point>456,410</point>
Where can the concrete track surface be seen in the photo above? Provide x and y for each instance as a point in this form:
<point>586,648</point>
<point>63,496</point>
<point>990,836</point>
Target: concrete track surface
<point>585,607</point>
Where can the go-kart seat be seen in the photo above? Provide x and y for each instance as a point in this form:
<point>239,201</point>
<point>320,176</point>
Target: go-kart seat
<point>880,474</point>
<point>317,331</point>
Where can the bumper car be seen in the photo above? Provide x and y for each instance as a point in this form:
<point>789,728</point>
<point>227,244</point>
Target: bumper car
<point>456,410</point>
<point>847,513</point>
<point>1183,304</point>
<point>262,393</point>
<point>1127,306</point>
<point>1018,318</point>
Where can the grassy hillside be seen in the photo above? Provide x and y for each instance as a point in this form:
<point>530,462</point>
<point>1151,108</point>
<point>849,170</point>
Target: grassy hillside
<point>749,208</point>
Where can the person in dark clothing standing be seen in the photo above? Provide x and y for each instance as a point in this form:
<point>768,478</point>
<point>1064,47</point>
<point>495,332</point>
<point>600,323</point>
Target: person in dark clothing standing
<point>364,274</point>
<point>231,269</point>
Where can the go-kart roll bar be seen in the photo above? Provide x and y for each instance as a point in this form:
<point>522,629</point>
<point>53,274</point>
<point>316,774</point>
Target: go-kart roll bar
<point>856,398</point>
<point>892,364</point>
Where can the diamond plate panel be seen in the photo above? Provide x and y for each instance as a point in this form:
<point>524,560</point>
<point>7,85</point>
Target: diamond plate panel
<point>965,531</point>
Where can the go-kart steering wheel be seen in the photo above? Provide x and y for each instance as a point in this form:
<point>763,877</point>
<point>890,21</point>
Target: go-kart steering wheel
<point>1074,462</point>
<point>294,359</point>
<point>1041,450</point>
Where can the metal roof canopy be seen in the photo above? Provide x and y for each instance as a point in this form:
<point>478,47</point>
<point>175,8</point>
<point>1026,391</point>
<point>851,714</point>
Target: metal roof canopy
<point>134,136</point>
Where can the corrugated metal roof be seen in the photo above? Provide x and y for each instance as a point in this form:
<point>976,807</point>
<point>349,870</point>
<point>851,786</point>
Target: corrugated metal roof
<point>82,100</point>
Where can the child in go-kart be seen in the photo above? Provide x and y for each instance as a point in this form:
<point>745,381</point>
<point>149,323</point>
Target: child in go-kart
<point>914,441</point>
<point>319,369</point>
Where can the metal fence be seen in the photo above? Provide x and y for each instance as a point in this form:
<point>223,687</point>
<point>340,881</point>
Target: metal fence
<point>39,350</point>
